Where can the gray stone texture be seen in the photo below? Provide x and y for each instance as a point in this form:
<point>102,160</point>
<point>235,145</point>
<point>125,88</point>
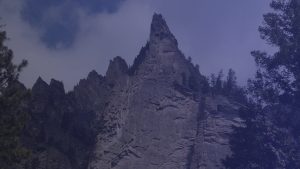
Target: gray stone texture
<point>156,114</point>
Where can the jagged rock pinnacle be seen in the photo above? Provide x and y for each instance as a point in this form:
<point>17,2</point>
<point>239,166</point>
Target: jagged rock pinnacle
<point>117,67</point>
<point>161,55</point>
<point>160,30</point>
<point>155,115</point>
<point>57,87</point>
<point>40,81</point>
<point>40,88</point>
<point>39,84</point>
<point>94,75</point>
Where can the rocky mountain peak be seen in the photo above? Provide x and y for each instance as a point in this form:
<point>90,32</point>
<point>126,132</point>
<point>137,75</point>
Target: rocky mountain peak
<point>93,79</point>
<point>93,75</point>
<point>117,68</point>
<point>40,86</point>
<point>161,58</point>
<point>153,115</point>
<point>39,82</point>
<point>160,31</point>
<point>57,87</point>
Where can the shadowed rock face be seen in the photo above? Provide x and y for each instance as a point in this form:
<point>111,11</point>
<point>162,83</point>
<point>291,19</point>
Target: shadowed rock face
<point>153,124</point>
<point>156,114</point>
<point>158,120</point>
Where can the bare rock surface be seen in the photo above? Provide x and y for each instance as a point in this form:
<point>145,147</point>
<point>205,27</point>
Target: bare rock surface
<point>158,119</point>
<point>155,114</point>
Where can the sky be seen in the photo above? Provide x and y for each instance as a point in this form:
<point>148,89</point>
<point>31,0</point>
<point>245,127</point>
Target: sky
<point>66,39</point>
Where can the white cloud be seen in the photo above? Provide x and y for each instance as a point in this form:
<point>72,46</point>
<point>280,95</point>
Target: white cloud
<point>101,37</point>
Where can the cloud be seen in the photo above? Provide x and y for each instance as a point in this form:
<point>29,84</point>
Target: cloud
<point>216,34</point>
<point>101,37</point>
<point>58,20</point>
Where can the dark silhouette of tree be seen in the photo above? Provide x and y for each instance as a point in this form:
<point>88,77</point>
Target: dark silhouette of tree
<point>12,117</point>
<point>280,72</point>
<point>212,83</point>
<point>219,82</point>
<point>230,83</point>
<point>249,150</point>
<point>276,90</point>
<point>189,58</point>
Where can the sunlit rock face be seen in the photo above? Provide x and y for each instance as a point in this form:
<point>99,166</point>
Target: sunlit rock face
<point>155,114</point>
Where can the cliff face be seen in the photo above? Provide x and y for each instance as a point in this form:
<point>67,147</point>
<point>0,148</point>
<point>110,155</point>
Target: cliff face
<point>60,133</point>
<point>154,124</point>
<point>157,114</point>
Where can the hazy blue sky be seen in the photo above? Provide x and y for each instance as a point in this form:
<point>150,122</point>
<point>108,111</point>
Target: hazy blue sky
<point>65,39</point>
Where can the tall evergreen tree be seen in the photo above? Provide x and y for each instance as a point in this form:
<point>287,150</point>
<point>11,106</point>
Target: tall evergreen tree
<point>278,77</point>
<point>248,147</point>
<point>12,117</point>
<point>219,82</point>
<point>276,89</point>
<point>230,83</point>
<point>281,71</point>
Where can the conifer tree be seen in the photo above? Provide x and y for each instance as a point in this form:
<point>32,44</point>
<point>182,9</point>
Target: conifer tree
<point>230,83</point>
<point>276,90</point>
<point>12,115</point>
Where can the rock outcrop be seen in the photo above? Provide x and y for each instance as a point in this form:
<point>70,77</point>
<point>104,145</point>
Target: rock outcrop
<point>159,118</point>
<point>156,114</point>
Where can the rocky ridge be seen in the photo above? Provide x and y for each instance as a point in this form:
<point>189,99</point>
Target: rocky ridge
<point>156,114</point>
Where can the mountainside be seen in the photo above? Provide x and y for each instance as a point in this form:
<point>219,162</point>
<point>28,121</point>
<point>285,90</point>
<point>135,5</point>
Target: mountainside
<point>156,114</point>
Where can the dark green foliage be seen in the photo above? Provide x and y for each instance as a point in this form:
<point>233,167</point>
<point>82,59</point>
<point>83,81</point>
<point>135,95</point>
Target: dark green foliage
<point>12,120</point>
<point>213,80</point>
<point>196,81</point>
<point>227,87</point>
<point>217,83</point>
<point>270,137</point>
<point>230,83</point>
<point>192,83</point>
<point>278,80</point>
<point>12,106</point>
<point>250,150</point>
<point>281,29</point>
<point>189,59</point>
<point>9,72</point>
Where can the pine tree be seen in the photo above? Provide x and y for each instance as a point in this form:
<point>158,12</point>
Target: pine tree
<point>230,83</point>
<point>12,117</point>
<point>280,72</point>
<point>248,147</point>
<point>219,83</point>
<point>278,77</point>
<point>276,90</point>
